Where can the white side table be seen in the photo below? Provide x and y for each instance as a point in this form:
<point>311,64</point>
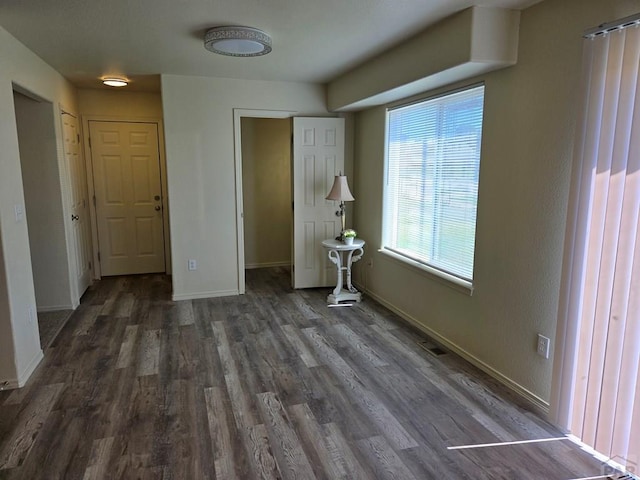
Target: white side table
<point>343,256</point>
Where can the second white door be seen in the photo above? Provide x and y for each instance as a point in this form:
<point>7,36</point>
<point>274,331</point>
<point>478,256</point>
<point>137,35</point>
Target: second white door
<point>79,204</point>
<point>128,197</point>
<point>318,155</point>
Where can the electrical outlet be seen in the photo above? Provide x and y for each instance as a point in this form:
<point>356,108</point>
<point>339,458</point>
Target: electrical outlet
<point>192,265</point>
<point>370,263</point>
<point>544,345</point>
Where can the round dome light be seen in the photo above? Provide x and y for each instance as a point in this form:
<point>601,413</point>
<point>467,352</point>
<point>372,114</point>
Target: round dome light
<point>115,82</point>
<point>237,41</point>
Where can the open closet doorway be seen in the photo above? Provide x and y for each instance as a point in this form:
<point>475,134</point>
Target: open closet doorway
<point>238,116</point>
<point>316,154</point>
<point>266,190</point>
<point>44,212</point>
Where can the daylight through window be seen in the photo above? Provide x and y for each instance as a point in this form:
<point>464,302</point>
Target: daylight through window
<point>431,191</point>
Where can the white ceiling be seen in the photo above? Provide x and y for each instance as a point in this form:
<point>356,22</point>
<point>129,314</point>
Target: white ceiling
<point>313,40</point>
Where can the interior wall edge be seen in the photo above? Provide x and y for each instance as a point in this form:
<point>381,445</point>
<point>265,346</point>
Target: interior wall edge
<point>30,368</point>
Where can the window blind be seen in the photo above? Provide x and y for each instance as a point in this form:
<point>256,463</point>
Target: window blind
<point>596,382</point>
<point>433,160</point>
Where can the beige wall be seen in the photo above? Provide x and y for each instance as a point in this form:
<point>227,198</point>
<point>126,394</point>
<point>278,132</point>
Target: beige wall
<point>20,346</point>
<point>266,189</point>
<point>119,103</point>
<point>43,201</point>
<point>524,182</point>
<point>198,115</point>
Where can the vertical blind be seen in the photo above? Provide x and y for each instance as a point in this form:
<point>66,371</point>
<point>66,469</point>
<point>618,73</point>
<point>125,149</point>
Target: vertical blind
<point>596,391</point>
<point>433,160</point>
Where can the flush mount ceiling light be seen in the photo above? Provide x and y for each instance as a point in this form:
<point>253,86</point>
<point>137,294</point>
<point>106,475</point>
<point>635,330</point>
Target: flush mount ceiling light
<point>237,41</point>
<point>115,82</point>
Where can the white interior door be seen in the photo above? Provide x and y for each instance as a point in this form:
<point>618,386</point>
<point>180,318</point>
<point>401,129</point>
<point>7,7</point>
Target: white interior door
<point>79,202</point>
<point>128,196</point>
<point>318,155</point>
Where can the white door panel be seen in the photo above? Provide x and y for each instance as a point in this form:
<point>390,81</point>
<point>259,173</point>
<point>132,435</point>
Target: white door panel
<point>79,202</point>
<point>318,155</point>
<point>126,165</point>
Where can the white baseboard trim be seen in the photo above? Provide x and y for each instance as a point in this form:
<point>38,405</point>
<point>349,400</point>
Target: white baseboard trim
<point>55,308</point>
<point>537,403</point>
<point>33,364</point>
<point>249,266</point>
<point>198,295</point>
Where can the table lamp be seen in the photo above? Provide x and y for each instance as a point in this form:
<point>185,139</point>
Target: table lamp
<point>340,192</point>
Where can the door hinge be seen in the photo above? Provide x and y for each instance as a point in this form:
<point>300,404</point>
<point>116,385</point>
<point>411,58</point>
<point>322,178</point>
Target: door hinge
<point>94,200</point>
<point>78,135</point>
<point>293,206</point>
<point>99,257</point>
<point>89,265</point>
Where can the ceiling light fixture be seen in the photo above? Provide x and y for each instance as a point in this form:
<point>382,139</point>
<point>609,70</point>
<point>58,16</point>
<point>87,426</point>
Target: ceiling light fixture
<point>237,41</point>
<point>115,82</point>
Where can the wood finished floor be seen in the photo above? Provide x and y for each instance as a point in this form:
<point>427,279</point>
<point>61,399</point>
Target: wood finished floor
<point>272,384</point>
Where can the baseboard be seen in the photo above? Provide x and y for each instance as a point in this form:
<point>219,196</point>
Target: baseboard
<point>23,377</point>
<point>199,295</point>
<point>250,266</point>
<point>33,364</point>
<point>537,403</point>
<point>55,308</point>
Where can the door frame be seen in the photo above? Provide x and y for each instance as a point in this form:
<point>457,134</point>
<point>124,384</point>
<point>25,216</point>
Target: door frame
<point>238,113</point>
<point>97,270</point>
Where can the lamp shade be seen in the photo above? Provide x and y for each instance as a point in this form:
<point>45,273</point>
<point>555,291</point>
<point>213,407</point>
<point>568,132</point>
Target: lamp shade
<point>340,190</point>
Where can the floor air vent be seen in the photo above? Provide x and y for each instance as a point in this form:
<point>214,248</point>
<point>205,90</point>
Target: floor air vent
<point>432,348</point>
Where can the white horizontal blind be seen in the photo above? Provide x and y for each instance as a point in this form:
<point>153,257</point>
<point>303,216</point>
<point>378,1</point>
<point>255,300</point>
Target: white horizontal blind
<point>431,192</point>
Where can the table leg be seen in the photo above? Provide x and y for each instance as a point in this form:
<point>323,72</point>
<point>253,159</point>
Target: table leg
<point>351,260</point>
<point>335,257</point>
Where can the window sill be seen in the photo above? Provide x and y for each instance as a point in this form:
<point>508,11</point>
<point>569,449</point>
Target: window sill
<point>450,281</point>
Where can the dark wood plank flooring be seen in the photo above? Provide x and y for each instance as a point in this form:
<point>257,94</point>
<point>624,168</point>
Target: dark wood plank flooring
<point>50,324</point>
<point>272,384</point>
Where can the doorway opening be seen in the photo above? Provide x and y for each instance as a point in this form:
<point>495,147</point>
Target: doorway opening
<point>267,199</point>
<point>43,211</point>
<point>316,156</point>
<point>256,225</point>
<point>266,189</point>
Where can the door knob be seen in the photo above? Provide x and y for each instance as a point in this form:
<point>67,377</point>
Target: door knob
<point>158,208</point>
<point>157,197</point>
<point>74,217</point>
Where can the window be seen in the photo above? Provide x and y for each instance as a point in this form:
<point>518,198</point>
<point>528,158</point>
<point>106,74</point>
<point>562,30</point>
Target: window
<point>431,191</point>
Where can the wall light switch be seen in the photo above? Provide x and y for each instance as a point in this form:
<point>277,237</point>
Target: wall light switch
<point>19,212</point>
<point>32,315</point>
<point>192,265</point>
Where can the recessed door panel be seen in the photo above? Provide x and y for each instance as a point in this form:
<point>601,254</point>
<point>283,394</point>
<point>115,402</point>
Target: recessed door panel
<point>112,180</point>
<point>142,176</point>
